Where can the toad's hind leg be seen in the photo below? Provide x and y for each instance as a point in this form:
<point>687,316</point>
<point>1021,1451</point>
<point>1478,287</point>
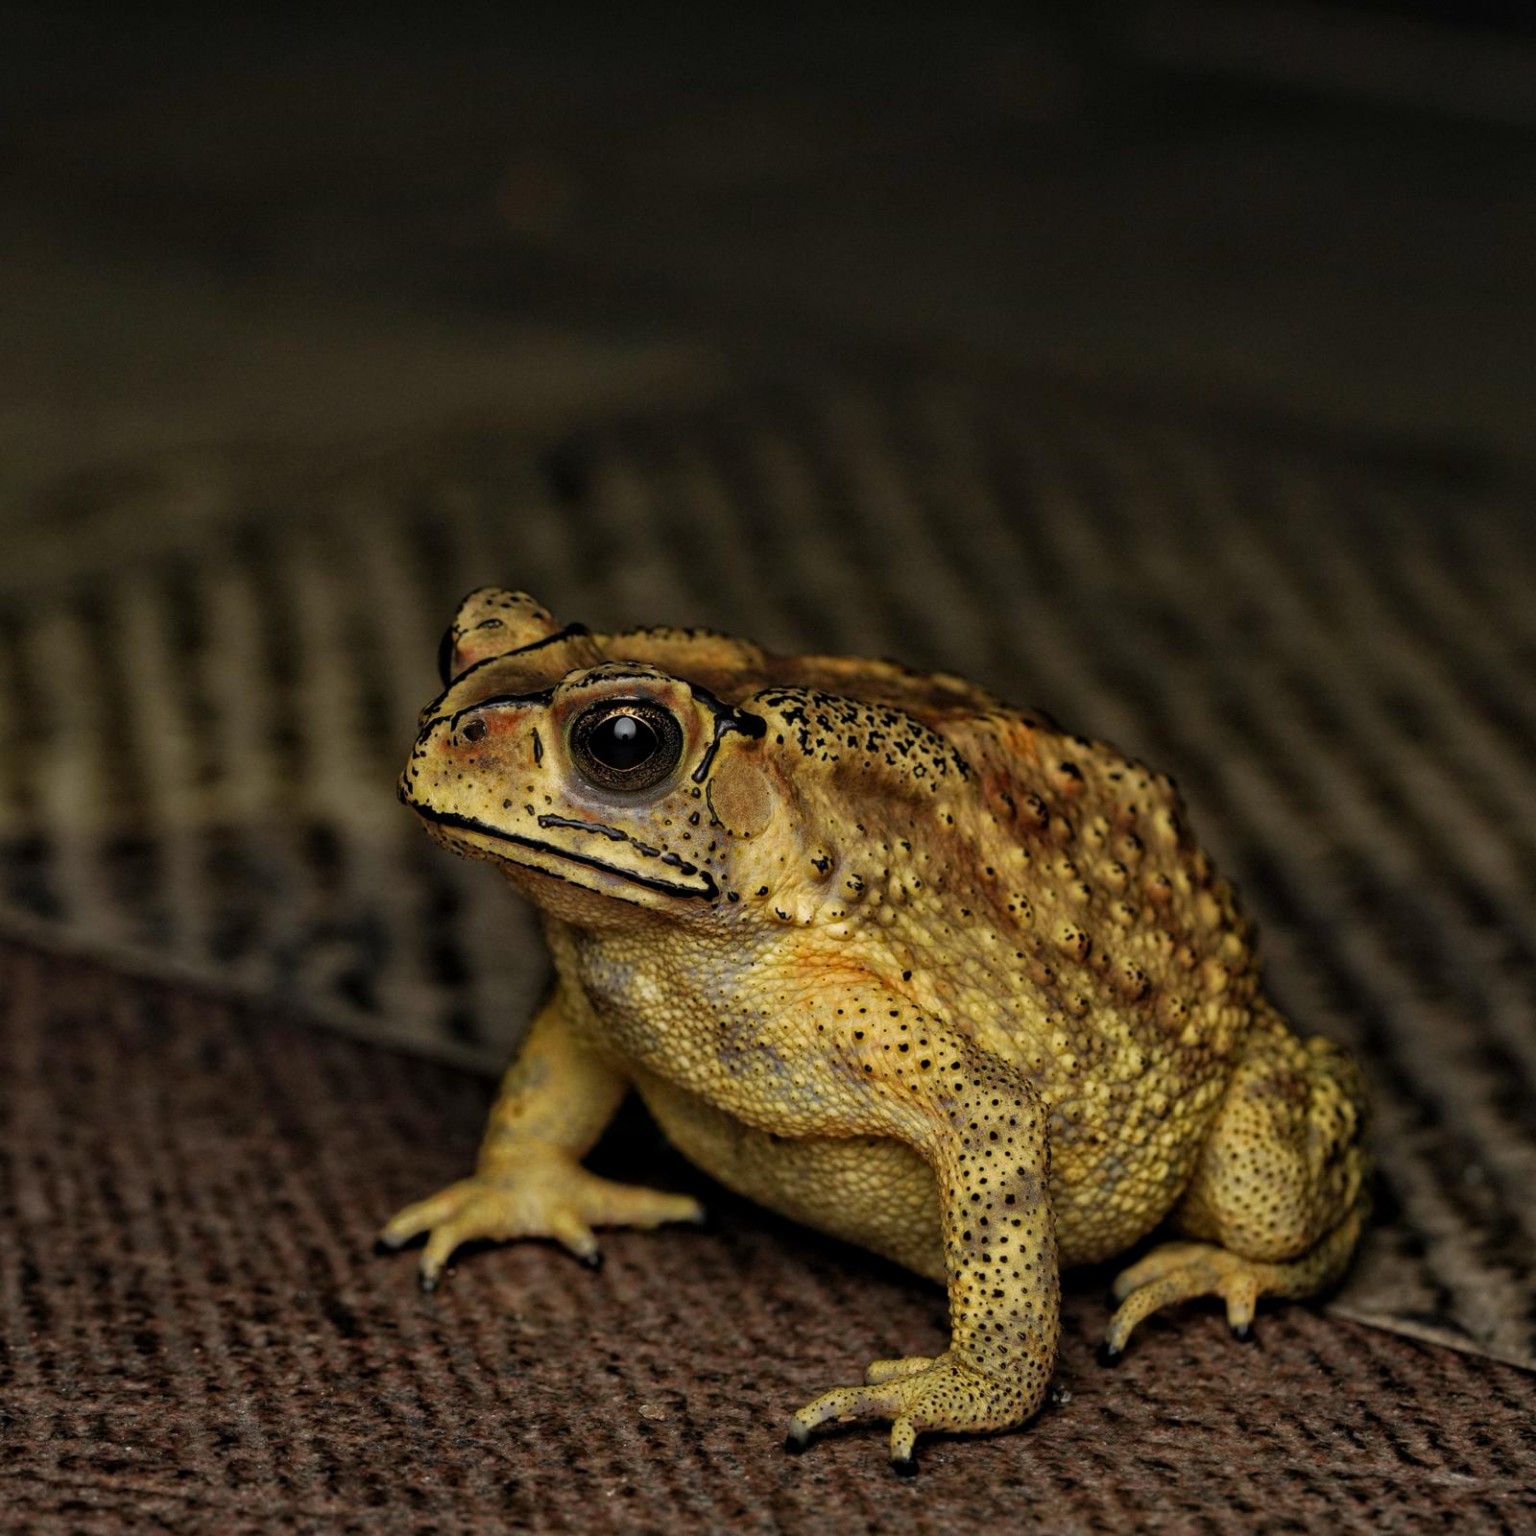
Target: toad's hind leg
<point>1278,1198</point>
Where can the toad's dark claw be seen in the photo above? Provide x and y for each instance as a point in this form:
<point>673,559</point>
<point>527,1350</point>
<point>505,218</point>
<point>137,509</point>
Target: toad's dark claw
<point>904,1466</point>
<point>797,1439</point>
<point>1108,1354</point>
<point>1244,1334</point>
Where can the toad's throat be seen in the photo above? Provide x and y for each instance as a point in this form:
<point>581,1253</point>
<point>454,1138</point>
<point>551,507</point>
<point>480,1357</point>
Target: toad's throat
<point>702,886</point>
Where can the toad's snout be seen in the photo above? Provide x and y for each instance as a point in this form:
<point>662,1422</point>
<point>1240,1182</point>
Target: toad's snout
<point>460,756</point>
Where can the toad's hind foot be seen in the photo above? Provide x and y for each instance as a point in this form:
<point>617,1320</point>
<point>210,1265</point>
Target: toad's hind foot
<point>1178,1272</point>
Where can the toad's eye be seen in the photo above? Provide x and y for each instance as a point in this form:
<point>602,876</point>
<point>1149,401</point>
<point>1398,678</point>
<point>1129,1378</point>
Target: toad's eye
<point>629,745</point>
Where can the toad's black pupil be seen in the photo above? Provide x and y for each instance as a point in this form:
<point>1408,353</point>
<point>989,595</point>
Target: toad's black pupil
<point>622,741</point>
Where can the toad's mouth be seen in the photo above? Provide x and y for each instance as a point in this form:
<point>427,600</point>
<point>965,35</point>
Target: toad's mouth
<point>694,882</point>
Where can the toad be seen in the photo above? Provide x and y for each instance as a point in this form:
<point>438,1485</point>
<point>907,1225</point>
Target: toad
<point>893,959</point>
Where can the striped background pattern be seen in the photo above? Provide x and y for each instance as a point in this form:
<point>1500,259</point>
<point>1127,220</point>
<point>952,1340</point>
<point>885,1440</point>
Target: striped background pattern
<point>1332,652</point>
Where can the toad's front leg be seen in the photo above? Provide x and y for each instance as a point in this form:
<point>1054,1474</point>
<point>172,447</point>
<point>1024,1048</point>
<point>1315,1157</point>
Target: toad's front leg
<point>980,1126</point>
<point>554,1102</point>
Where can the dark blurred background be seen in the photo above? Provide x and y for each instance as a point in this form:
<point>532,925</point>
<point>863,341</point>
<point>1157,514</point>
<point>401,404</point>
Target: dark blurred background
<point>321,223</point>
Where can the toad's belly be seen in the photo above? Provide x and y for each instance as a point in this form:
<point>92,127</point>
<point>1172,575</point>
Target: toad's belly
<point>867,1190</point>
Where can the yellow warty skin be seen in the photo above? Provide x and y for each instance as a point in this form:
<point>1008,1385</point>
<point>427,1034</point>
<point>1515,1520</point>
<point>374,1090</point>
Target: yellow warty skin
<point>899,962</point>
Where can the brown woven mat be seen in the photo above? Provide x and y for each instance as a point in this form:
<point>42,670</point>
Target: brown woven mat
<point>206,691</point>
<point>196,1337</point>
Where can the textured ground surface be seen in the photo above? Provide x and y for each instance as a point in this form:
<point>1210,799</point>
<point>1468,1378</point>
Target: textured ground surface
<point>197,1337</point>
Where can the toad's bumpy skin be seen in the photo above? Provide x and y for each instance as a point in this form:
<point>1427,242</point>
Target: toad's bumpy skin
<point>899,962</point>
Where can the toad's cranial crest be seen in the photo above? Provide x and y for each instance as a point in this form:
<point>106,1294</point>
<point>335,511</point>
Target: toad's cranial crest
<point>913,967</point>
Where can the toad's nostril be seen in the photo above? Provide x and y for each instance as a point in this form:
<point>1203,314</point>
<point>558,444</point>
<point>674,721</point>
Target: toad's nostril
<point>475,730</point>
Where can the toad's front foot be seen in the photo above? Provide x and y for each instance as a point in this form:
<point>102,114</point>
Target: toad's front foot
<point>920,1394</point>
<point>542,1193</point>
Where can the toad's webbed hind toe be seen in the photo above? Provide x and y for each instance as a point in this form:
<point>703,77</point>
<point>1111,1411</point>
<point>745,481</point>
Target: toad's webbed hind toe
<point>1279,1195</point>
<point>1178,1272</point>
